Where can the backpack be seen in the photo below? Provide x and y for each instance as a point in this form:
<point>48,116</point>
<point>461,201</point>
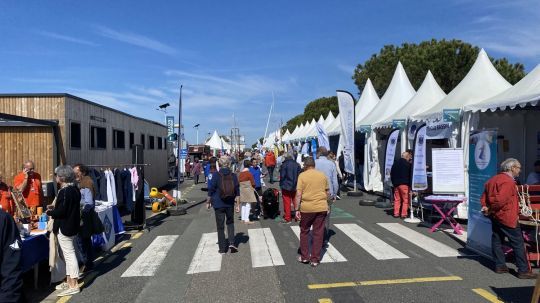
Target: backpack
<point>226,186</point>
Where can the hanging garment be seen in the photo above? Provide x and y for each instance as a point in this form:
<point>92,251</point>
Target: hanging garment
<point>111,187</point>
<point>103,186</point>
<point>127,189</point>
<point>120,201</point>
<point>96,177</point>
<point>134,182</point>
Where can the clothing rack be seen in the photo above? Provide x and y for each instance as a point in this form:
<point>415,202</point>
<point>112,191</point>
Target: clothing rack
<point>116,165</point>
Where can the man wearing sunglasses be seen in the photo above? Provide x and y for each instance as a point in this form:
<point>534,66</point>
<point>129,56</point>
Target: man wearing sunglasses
<point>29,183</point>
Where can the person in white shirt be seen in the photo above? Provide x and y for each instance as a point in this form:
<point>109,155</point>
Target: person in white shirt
<point>534,177</point>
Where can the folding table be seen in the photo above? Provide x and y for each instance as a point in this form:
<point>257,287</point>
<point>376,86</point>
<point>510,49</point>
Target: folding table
<point>445,206</point>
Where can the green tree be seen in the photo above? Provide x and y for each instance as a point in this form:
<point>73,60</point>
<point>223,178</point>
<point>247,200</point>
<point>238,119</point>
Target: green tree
<point>448,60</point>
<point>313,110</point>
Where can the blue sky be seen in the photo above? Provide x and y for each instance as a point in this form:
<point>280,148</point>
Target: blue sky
<point>231,55</point>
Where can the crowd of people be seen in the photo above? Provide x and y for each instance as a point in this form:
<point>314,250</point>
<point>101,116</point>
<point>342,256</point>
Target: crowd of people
<point>308,190</point>
<point>71,223</point>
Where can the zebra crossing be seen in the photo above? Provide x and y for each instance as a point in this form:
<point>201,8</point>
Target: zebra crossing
<point>265,251</point>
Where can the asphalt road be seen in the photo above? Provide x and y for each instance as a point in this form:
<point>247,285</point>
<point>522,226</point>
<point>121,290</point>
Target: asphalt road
<point>417,276</point>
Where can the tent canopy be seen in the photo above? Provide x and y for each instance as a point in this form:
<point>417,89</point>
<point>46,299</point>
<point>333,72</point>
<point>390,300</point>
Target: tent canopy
<point>481,82</point>
<point>428,94</point>
<point>398,93</point>
<point>523,93</point>
<point>216,142</point>
<point>368,100</point>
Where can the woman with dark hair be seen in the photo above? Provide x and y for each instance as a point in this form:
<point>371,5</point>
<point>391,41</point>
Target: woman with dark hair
<point>196,170</point>
<point>67,217</point>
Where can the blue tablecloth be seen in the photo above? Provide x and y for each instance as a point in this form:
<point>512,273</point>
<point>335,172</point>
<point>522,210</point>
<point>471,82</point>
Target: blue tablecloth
<point>34,250</point>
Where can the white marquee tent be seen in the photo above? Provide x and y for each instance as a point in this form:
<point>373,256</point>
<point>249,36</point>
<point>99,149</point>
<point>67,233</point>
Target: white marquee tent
<point>216,142</point>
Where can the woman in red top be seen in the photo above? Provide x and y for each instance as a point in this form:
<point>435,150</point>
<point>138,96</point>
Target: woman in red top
<point>5,198</point>
<point>247,191</point>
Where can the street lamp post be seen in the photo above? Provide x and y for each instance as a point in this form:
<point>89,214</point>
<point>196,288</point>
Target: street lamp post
<point>197,128</point>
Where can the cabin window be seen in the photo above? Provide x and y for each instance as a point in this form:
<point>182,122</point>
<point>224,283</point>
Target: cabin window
<point>75,135</point>
<point>151,142</point>
<point>159,143</point>
<point>98,137</point>
<point>119,139</point>
<point>131,140</point>
<point>143,140</point>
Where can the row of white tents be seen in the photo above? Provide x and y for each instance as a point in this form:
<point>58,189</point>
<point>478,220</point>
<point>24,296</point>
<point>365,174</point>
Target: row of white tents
<point>484,98</point>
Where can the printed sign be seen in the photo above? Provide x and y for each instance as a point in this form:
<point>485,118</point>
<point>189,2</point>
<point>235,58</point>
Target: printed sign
<point>482,166</point>
<point>451,115</point>
<point>170,125</point>
<point>390,153</point>
<point>419,178</point>
<point>398,123</point>
<point>365,128</point>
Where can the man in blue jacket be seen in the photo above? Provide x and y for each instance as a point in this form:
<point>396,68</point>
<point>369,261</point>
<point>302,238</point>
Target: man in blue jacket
<point>223,194</point>
<point>288,177</point>
<point>255,171</point>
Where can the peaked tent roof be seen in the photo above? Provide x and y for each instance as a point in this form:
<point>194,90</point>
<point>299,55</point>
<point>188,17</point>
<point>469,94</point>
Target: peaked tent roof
<point>368,100</point>
<point>215,141</point>
<point>523,93</point>
<point>481,82</point>
<point>398,93</point>
<point>329,119</point>
<point>335,127</point>
<point>427,95</point>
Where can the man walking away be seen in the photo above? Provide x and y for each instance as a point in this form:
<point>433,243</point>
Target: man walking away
<point>270,162</point>
<point>223,192</point>
<point>288,178</point>
<point>329,169</point>
<point>11,281</point>
<point>400,175</point>
<point>500,203</point>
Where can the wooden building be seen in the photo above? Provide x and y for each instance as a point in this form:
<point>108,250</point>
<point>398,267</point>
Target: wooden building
<point>54,129</point>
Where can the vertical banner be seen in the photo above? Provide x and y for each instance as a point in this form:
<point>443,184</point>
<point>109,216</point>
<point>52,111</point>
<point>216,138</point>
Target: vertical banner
<point>346,116</point>
<point>314,148</point>
<point>170,125</point>
<point>390,153</point>
<point>482,166</point>
<point>322,137</point>
<point>419,178</point>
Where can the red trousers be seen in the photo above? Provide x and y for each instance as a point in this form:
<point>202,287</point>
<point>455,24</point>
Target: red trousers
<point>288,197</point>
<point>315,221</point>
<point>401,199</point>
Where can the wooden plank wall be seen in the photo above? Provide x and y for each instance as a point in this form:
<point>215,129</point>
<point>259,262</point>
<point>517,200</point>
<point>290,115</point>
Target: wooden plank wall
<point>18,144</point>
<point>78,111</point>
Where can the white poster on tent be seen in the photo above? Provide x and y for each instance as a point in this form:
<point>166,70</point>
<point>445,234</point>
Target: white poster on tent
<point>346,110</point>
<point>419,178</point>
<point>448,171</point>
<point>322,137</point>
<point>390,153</point>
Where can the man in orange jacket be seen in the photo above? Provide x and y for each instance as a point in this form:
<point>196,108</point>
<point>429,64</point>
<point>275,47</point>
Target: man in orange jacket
<point>500,202</point>
<point>270,162</point>
<point>29,183</point>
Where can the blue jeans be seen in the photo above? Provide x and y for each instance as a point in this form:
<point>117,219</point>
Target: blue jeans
<point>221,214</point>
<point>515,237</point>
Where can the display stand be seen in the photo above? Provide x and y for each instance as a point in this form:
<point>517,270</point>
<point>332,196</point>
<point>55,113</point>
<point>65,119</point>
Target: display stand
<point>412,218</point>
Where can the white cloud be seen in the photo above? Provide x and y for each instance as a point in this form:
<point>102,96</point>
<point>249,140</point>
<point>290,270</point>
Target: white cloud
<point>136,39</point>
<point>62,37</point>
<point>348,69</point>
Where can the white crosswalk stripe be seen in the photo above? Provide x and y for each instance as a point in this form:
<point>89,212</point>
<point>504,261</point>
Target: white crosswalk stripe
<point>435,247</point>
<point>149,261</point>
<point>330,254</point>
<point>264,249</point>
<point>376,247</point>
<point>207,257</point>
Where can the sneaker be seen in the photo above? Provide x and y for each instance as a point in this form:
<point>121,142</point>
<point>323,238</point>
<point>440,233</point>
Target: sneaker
<point>314,264</point>
<point>299,259</point>
<point>501,270</point>
<point>222,252</point>
<point>338,197</point>
<point>69,291</point>
<point>62,286</point>
<point>233,249</point>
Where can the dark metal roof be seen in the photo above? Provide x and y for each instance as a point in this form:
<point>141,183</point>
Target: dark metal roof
<point>65,95</point>
<point>13,120</point>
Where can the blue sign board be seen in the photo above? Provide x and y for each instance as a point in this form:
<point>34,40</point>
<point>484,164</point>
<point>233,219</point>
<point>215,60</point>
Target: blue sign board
<point>170,125</point>
<point>482,166</point>
<point>183,153</point>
